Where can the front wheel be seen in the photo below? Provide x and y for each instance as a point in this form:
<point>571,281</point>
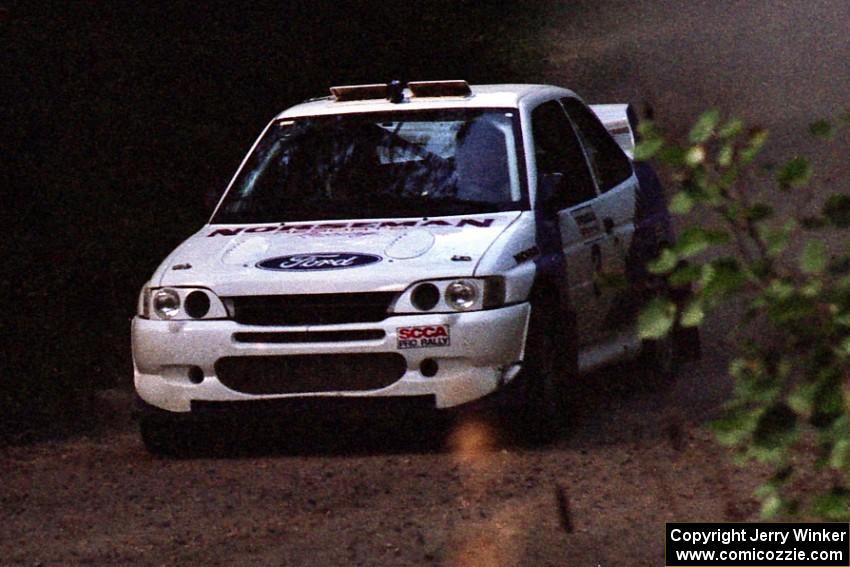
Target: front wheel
<point>550,358</point>
<point>171,437</point>
<point>659,359</point>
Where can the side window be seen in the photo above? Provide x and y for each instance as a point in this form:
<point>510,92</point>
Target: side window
<point>558,150</point>
<point>610,165</point>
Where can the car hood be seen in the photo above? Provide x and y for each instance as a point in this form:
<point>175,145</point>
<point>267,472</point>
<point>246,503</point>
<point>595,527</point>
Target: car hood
<point>331,256</point>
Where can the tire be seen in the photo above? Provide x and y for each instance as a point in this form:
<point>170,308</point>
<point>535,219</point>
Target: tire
<point>550,359</point>
<point>170,437</point>
<point>659,361</point>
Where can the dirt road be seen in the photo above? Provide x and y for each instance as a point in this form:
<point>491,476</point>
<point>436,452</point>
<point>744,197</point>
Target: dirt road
<point>376,496</point>
<point>632,459</point>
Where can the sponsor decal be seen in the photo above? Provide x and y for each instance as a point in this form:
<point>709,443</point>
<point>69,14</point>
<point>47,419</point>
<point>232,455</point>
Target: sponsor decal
<point>318,262</point>
<point>357,227</point>
<point>423,337</point>
<point>588,224</point>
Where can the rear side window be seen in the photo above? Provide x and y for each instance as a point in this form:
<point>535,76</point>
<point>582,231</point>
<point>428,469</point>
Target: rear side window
<point>558,150</point>
<point>610,165</point>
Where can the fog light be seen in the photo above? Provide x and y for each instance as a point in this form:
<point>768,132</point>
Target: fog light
<point>196,375</point>
<point>429,367</point>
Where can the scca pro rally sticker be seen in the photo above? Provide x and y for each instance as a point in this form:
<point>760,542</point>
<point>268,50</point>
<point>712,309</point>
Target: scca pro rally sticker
<point>318,262</point>
<point>423,337</point>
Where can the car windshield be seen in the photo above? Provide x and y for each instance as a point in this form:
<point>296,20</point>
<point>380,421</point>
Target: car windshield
<point>379,165</point>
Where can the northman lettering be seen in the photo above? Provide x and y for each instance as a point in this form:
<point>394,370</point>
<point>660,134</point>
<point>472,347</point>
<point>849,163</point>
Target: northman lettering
<point>350,227</point>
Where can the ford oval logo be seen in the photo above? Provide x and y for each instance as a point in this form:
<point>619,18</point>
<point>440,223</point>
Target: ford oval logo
<point>318,262</point>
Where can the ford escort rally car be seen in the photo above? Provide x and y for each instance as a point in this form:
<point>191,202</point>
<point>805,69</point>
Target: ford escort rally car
<point>429,245</point>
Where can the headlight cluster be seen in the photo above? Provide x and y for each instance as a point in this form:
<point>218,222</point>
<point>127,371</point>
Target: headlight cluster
<point>447,296</point>
<point>180,303</point>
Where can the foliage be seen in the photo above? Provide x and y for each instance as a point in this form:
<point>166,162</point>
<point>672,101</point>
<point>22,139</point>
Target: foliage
<point>791,371</point>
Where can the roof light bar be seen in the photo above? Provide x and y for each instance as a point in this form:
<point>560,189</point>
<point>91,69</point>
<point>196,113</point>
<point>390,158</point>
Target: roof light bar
<point>360,92</point>
<point>428,89</point>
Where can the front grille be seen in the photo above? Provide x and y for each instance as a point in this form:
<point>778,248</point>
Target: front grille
<point>310,336</point>
<point>311,309</point>
<point>306,373</point>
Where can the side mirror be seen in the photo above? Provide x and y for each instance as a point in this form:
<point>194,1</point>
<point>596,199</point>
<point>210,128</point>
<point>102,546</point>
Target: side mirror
<point>550,191</point>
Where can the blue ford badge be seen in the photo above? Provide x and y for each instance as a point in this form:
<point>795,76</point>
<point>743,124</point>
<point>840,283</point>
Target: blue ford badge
<point>317,262</point>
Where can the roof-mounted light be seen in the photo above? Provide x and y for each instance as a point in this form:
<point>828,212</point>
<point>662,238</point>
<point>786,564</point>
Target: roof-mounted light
<point>431,89</point>
<point>394,91</point>
<point>360,92</point>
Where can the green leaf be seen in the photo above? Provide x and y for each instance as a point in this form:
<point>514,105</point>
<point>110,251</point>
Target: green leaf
<point>725,155</point>
<point>681,203</point>
<point>645,149</point>
<point>721,277</point>
<point>754,146</point>
<point>695,156</point>
<point>692,314</point>
<point>731,129</point>
<point>647,129</point>
<point>832,506</point>
<point>796,172</point>
<point>776,239</point>
<point>802,398</point>
<point>684,275</point>
<point>696,239</point>
<point>771,506</point>
<point>837,210</point>
<point>664,264</point>
<point>844,347</point>
<point>704,126</point>
<point>814,257</point>
<point>839,458</point>
<point>821,129</point>
<point>736,426</point>
<point>656,319</point>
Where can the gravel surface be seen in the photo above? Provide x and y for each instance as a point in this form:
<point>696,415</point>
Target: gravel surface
<point>370,494</point>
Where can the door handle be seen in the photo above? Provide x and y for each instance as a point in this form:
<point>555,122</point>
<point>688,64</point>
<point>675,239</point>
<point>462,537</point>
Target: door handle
<point>608,223</point>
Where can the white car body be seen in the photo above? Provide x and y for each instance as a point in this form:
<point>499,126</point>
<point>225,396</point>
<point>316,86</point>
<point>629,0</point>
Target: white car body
<point>178,360</point>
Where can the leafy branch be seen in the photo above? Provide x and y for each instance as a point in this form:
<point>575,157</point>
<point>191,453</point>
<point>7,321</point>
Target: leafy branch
<point>792,369</point>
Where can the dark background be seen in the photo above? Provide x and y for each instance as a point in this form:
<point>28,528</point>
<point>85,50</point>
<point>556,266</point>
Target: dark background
<point>123,118</point>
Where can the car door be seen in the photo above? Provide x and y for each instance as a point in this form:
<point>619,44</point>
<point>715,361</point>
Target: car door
<point>558,151</point>
<point>614,207</point>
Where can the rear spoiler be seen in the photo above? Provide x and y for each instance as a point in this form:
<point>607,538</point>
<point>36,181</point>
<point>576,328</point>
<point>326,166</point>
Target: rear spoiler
<point>616,121</point>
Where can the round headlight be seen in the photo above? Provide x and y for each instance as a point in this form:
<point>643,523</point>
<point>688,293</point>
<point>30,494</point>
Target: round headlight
<point>461,295</point>
<point>425,296</point>
<point>197,304</point>
<point>166,303</point>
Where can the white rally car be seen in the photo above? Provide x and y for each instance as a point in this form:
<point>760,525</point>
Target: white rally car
<point>419,247</point>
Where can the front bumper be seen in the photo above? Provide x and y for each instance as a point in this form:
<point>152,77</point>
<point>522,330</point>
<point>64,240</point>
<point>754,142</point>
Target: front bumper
<point>484,353</point>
